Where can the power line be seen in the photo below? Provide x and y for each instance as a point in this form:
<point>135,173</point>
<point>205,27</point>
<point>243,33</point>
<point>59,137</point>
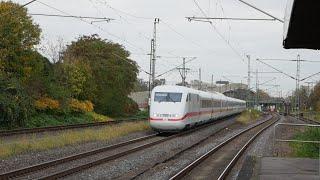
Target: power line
<point>72,16</point>
<point>302,60</point>
<point>174,68</point>
<point>276,69</point>
<point>98,27</point>
<point>20,7</point>
<point>181,35</point>
<point>26,4</point>
<point>264,12</point>
<point>228,18</point>
<point>218,32</point>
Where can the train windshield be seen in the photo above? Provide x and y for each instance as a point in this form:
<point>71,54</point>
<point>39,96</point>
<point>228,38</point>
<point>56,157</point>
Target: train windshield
<point>167,97</point>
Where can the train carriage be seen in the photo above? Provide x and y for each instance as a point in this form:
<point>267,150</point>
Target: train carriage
<point>174,108</point>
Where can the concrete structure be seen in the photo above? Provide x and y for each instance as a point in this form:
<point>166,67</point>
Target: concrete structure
<point>289,169</point>
<point>205,86</point>
<point>141,98</point>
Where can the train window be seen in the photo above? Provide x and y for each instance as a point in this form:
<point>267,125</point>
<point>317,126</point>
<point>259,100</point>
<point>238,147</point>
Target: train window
<point>167,97</point>
<point>188,98</point>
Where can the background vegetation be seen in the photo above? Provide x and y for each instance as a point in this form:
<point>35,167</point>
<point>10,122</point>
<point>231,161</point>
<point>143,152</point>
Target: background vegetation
<point>311,150</point>
<point>91,75</point>
<point>248,116</point>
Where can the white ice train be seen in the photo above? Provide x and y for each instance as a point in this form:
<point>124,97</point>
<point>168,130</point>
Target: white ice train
<point>174,108</point>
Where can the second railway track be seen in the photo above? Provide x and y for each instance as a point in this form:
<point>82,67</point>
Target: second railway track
<point>62,127</point>
<point>219,161</point>
<point>79,162</point>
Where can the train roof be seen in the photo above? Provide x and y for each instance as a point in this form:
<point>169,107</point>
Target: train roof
<point>183,89</point>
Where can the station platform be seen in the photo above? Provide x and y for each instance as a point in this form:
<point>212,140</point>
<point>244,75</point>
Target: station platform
<point>273,168</point>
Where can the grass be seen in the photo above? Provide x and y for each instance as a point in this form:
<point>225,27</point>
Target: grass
<point>249,116</point>
<point>310,150</point>
<point>43,120</point>
<point>30,144</point>
<point>312,115</point>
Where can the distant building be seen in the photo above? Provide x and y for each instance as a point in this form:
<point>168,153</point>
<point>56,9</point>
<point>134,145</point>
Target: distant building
<point>195,84</point>
<point>141,98</point>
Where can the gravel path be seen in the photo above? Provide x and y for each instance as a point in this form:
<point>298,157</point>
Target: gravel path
<point>32,158</point>
<point>157,162</point>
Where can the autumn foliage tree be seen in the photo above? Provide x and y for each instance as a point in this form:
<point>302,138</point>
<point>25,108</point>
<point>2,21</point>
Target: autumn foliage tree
<point>111,74</point>
<point>19,62</point>
<point>314,98</point>
<point>91,74</point>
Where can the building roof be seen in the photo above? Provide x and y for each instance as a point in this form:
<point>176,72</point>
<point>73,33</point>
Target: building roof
<point>302,27</point>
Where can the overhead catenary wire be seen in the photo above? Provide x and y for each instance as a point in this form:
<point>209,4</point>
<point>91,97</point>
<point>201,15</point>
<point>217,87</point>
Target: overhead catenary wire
<point>98,27</point>
<point>71,16</point>
<point>282,72</point>
<point>262,11</point>
<point>219,33</point>
<point>22,6</point>
<point>26,4</point>
<point>173,68</point>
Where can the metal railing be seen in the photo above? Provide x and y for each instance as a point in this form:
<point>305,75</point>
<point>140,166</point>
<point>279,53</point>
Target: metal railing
<point>294,125</point>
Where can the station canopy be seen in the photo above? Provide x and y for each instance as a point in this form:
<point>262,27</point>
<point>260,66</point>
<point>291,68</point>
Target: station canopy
<point>302,24</point>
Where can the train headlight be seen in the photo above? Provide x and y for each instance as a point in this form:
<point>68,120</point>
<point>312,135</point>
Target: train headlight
<point>155,115</point>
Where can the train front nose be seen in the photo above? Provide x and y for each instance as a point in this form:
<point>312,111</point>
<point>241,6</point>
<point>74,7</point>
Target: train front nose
<point>166,124</point>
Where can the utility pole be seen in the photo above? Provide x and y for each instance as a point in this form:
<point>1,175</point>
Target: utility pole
<point>200,79</point>
<point>249,79</point>
<point>211,82</point>
<point>153,52</point>
<point>257,88</point>
<point>183,71</point>
<point>298,86</point>
<point>150,69</point>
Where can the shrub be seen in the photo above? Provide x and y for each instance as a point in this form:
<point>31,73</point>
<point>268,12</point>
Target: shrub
<point>310,150</point>
<point>248,116</point>
<point>46,103</point>
<point>81,106</point>
<point>97,117</point>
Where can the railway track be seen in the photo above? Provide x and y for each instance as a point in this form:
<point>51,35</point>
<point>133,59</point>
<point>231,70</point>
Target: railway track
<point>79,162</point>
<point>62,127</point>
<point>218,162</point>
<point>310,121</point>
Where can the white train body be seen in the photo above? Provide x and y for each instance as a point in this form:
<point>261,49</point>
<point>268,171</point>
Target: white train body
<point>174,108</point>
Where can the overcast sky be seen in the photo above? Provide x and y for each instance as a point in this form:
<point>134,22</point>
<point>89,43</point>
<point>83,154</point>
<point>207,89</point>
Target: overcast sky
<point>133,26</point>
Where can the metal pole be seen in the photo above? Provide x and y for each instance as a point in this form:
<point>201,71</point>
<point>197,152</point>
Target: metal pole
<point>184,72</point>
<point>257,88</point>
<point>199,78</point>
<point>298,87</point>
<point>156,21</point>
<point>249,79</point>
<point>211,82</point>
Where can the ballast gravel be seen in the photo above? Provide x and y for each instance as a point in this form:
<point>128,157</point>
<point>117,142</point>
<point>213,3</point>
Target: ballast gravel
<point>263,146</point>
<point>33,158</point>
<point>156,162</point>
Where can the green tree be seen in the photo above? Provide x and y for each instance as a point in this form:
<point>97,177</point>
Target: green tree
<point>314,99</point>
<point>20,64</point>
<point>18,34</point>
<point>113,74</point>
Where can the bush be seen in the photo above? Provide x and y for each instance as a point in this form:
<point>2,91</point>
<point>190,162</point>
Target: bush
<point>81,106</point>
<point>131,107</point>
<point>249,116</point>
<point>97,117</point>
<point>310,150</point>
<point>46,103</point>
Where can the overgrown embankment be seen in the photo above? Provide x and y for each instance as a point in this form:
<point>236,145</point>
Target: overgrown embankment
<point>248,116</point>
<point>32,143</point>
<point>310,150</point>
